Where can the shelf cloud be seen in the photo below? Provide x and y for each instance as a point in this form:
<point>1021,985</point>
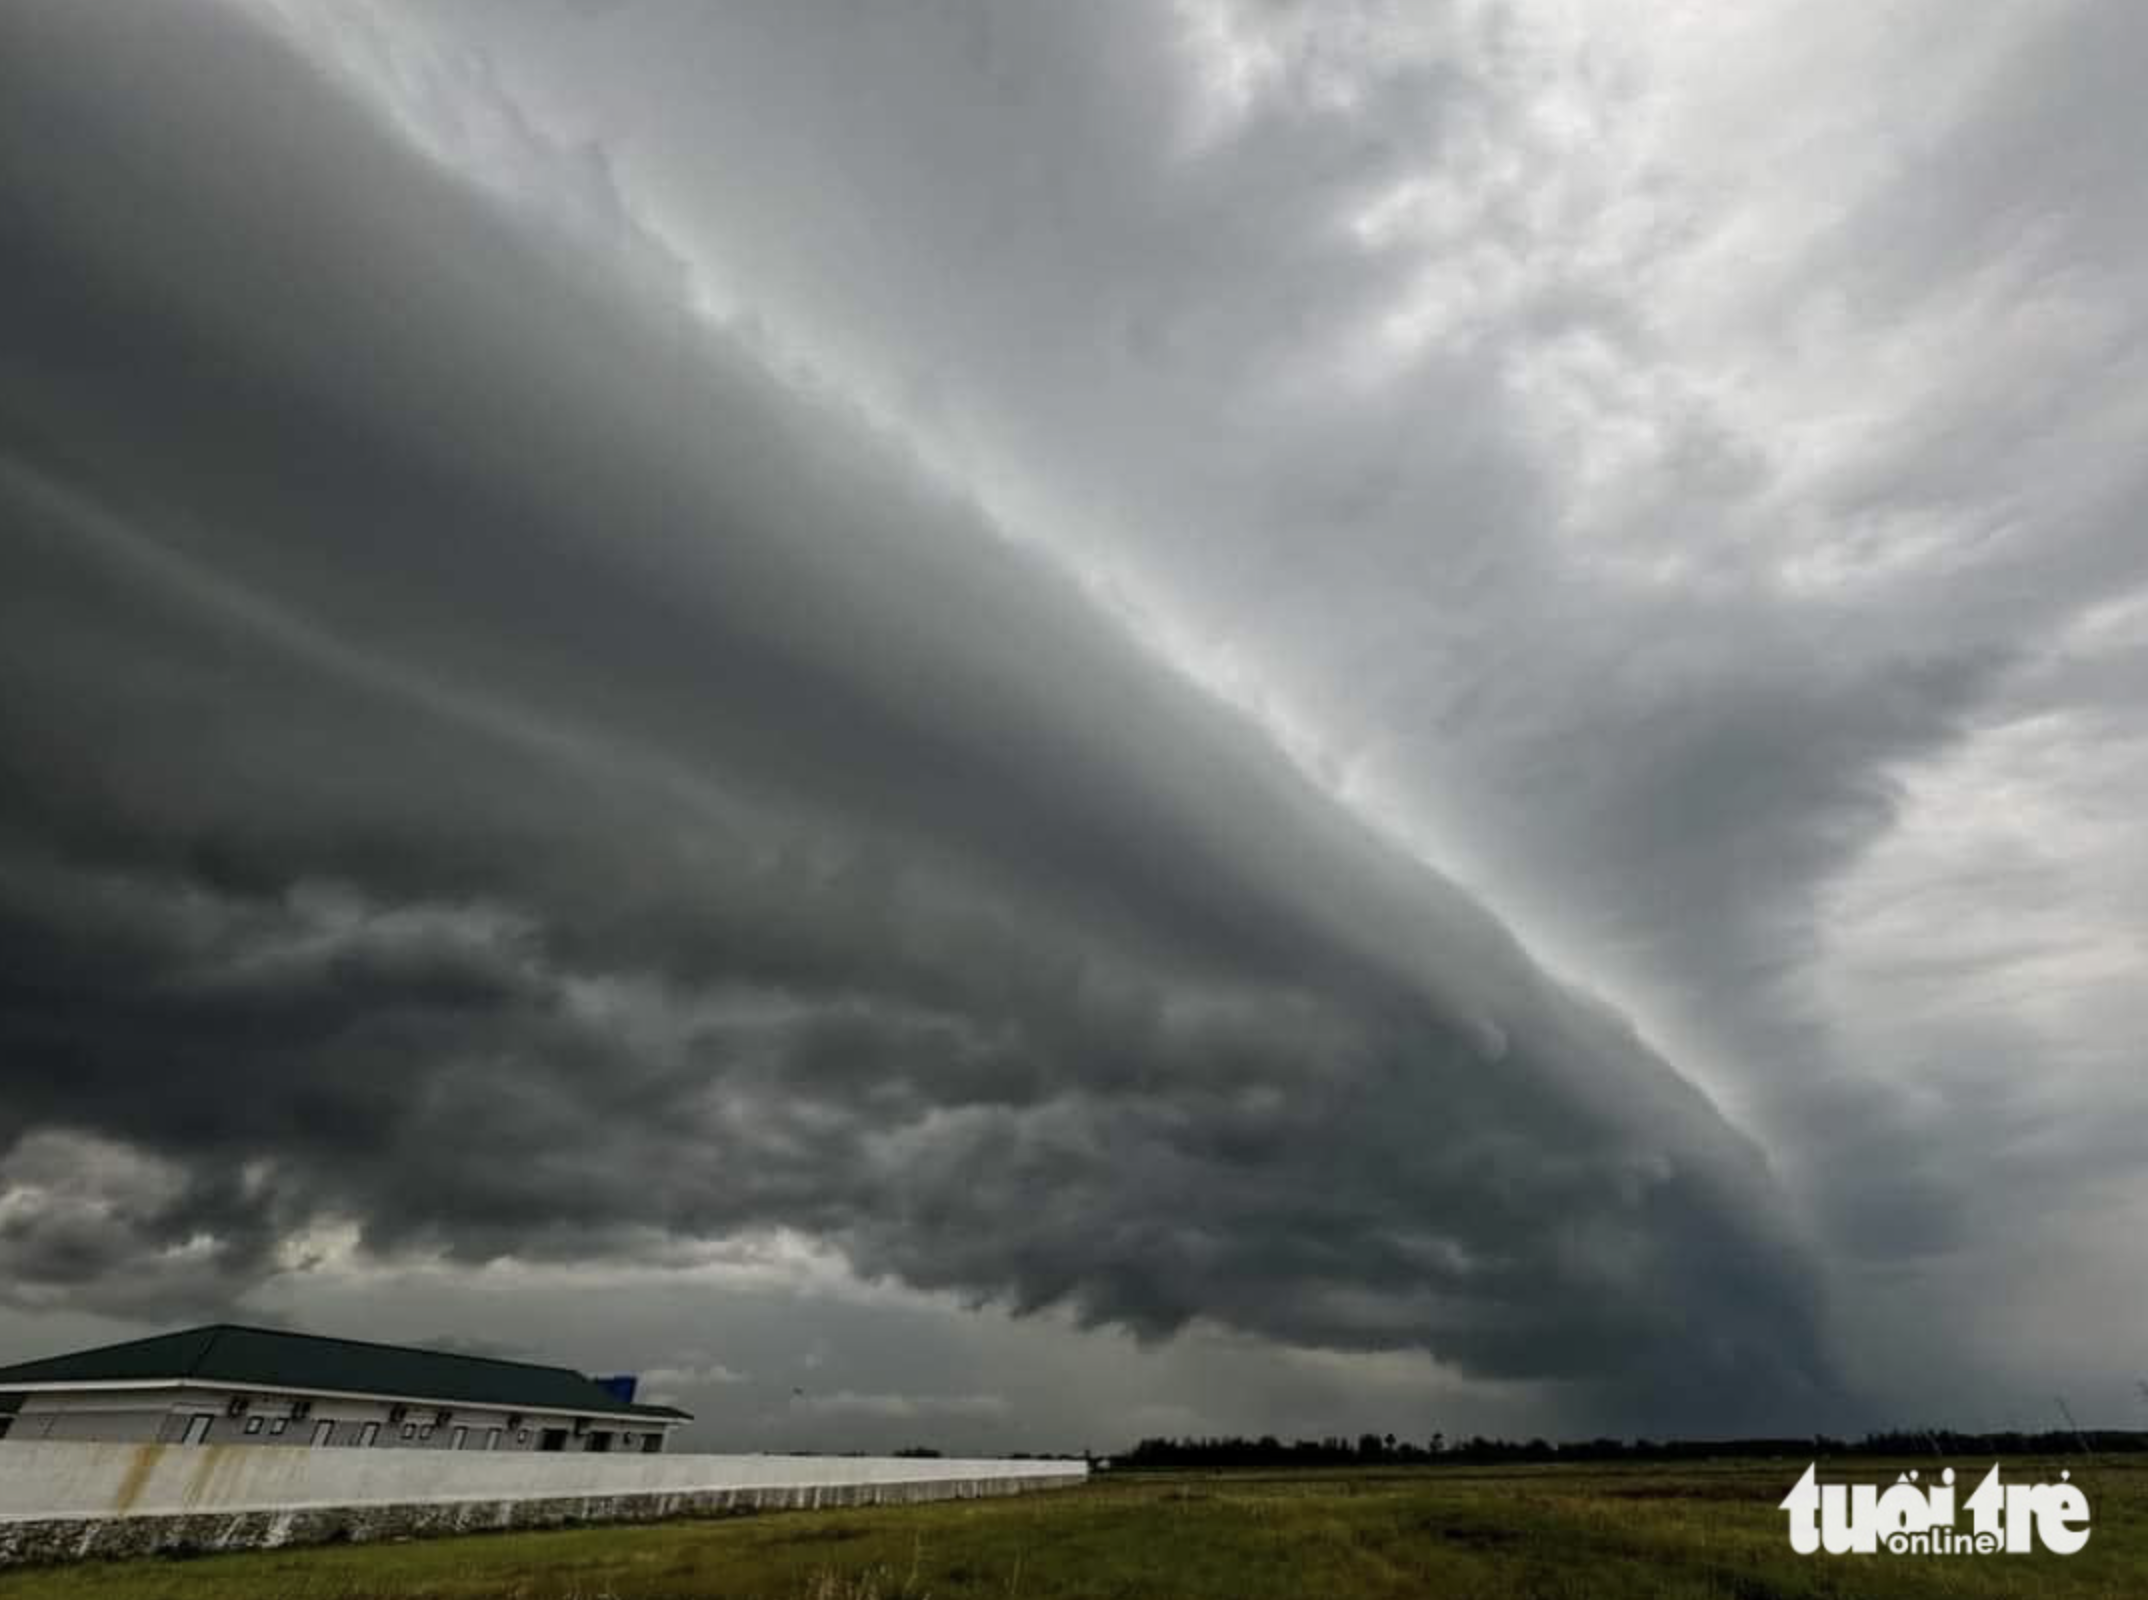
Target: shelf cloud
<point>575,694</point>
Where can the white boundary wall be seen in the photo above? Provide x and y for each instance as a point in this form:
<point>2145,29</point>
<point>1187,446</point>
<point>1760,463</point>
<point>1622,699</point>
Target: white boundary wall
<point>116,1480</point>
<point>61,1502</point>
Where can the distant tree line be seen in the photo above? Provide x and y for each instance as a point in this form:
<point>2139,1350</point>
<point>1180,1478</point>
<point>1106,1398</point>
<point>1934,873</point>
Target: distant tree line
<point>1375,1449</point>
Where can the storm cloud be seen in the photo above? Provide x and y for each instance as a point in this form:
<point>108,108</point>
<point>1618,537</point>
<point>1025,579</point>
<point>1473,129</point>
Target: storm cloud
<point>602,660</point>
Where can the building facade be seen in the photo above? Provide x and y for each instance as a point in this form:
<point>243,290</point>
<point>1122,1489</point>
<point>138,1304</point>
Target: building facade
<point>262,1386</point>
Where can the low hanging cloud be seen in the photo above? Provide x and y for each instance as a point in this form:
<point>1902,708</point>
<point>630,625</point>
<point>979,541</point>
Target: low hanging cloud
<point>491,760</point>
<point>905,1407</point>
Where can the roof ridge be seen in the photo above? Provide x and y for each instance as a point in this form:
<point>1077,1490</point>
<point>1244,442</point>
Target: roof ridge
<point>109,1345</point>
<point>221,1328</point>
<point>215,1331</point>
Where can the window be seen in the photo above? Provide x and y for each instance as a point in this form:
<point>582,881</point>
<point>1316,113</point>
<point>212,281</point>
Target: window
<point>426,1432</point>
<point>5,1424</point>
<point>492,1438</point>
<point>455,1438</point>
<point>323,1432</point>
<point>198,1426</point>
<point>652,1444</point>
<point>522,1436</point>
<point>279,1424</point>
<point>253,1424</point>
<point>410,1430</point>
<point>368,1436</point>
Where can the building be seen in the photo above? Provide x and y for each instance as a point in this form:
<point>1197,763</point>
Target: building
<point>234,1385</point>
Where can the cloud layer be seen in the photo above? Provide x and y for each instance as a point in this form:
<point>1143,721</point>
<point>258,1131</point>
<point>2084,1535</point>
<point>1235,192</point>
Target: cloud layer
<point>507,768</point>
<point>634,626</point>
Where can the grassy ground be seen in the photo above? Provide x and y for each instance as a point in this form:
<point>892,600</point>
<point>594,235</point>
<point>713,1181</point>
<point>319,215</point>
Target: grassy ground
<point>1688,1531</point>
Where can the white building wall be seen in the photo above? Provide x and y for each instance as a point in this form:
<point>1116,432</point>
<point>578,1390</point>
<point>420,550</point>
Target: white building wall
<point>129,1416</point>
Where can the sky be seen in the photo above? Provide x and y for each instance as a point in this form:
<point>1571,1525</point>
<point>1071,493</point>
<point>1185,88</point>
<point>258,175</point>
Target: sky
<point>1009,726</point>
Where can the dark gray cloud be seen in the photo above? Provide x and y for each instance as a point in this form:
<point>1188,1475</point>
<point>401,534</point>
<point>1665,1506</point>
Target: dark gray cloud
<point>601,616</point>
<point>495,762</point>
<point>1737,582</point>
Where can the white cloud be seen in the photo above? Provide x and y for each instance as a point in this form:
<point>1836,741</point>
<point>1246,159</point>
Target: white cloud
<point>904,1407</point>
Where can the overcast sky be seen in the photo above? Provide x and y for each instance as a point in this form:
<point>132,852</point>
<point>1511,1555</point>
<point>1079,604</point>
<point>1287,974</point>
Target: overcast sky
<point>1010,725</point>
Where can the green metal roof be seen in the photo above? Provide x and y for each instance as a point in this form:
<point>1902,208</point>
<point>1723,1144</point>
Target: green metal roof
<point>270,1358</point>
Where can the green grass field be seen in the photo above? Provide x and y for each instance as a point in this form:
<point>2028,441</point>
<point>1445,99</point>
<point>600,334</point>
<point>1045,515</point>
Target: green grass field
<point>1687,1531</point>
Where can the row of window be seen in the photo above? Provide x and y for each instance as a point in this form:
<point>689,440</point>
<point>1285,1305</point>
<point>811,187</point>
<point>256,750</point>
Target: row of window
<point>368,1434</point>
